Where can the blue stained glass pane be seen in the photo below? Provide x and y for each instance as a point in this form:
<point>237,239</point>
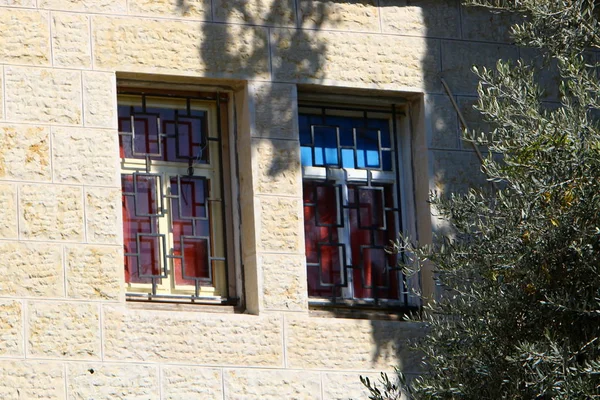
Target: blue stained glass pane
<point>384,126</point>
<point>367,148</point>
<point>304,127</point>
<point>345,125</point>
<point>386,159</point>
<point>348,158</point>
<point>306,156</point>
<point>326,146</point>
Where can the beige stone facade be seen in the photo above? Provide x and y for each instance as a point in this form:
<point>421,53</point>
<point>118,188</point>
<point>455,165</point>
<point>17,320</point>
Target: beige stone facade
<point>66,329</point>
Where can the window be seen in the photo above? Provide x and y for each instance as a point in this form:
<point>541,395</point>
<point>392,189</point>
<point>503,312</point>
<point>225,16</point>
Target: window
<point>175,187</point>
<point>352,189</point>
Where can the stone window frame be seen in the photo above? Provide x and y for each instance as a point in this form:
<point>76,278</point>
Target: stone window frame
<point>408,134</point>
<point>216,93</point>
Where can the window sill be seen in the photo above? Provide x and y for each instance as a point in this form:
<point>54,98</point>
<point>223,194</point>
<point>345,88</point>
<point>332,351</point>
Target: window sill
<point>357,309</point>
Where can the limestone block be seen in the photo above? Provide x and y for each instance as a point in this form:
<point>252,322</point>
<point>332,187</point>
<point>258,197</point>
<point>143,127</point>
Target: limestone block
<point>444,122</point>
<point>431,18</point>
<point>71,40</point>
<point>277,166</point>
<point>275,113</point>
<point>110,381</point>
<point>64,330</point>
<point>547,73</point>
<point>18,3</point>
<point>8,213</point>
<point>458,57</point>
<point>255,12</point>
<point>100,99</point>
<point>95,6</point>
<point>245,384</point>
<point>103,215</point>
<point>178,47</point>
<point>189,382</point>
<point>325,343</point>
<point>24,37</point>
<point>473,118</point>
<point>11,328</point>
<point>481,23</point>
<point>2,92</point>
<point>94,272</point>
<point>187,337</point>
<point>198,9</point>
<point>51,212</point>
<point>31,270</point>
<point>20,379</point>
<point>356,59</point>
<point>43,95</point>
<point>284,282</point>
<point>85,156</point>
<point>358,15</point>
<point>25,152</point>
<point>280,226</point>
<point>344,386</point>
<point>456,172</point>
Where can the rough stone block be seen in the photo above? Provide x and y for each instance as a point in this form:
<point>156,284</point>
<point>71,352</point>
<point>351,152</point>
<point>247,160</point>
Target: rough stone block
<point>31,270</point>
<point>356,59</point>
<point>110,381</point>
<point>277,167</point>
<point>275,110</point>
<point>95,6</point>
<point>473,118</point>
<point>103,215</point>
<point>25,152</point>
<point>11,328</point>
<point>485,24</point>
<point>358,15</point>
<point>430,18</point>
<point>20,379</point>
<point>85,156</point>
<point>444,122</point>
<point>99,99</point>
<point>187,337</point>
<point>60,330</point>
<point>18,3</point>
<point>458,57</point>
<point>94,272</point>
<point>284,282</point>
<point>350,344</point>
<point>280,226</point>
<point>2,92</point>
<point>344,386</point>
<point>198,9</point>
<point>178,47</point>
<point>24,37</point>
<point>189,382</point>
<point>71,40</point>
<point>43,95</point>
<point>8,213</point>
<point>50,212</point>
<point>271,384</point>
<point>256,12</point>
<point>456,171</point>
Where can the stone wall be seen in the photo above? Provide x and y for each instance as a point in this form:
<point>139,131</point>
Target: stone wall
<point>65,328</point>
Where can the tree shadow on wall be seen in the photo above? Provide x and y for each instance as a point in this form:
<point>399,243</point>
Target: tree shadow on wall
<point>262,42</point>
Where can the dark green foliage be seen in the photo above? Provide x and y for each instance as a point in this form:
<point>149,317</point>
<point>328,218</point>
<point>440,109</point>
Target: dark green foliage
<point>519,312</point>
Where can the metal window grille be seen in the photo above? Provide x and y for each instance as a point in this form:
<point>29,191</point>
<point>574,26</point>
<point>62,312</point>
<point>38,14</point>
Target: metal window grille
<point>172,165</point>
<point>352,203</point>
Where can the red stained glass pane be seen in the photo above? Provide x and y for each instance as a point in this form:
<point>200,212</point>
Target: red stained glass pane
<point>321,235</point>
<point>191,228</point>
<point>145,260</point>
